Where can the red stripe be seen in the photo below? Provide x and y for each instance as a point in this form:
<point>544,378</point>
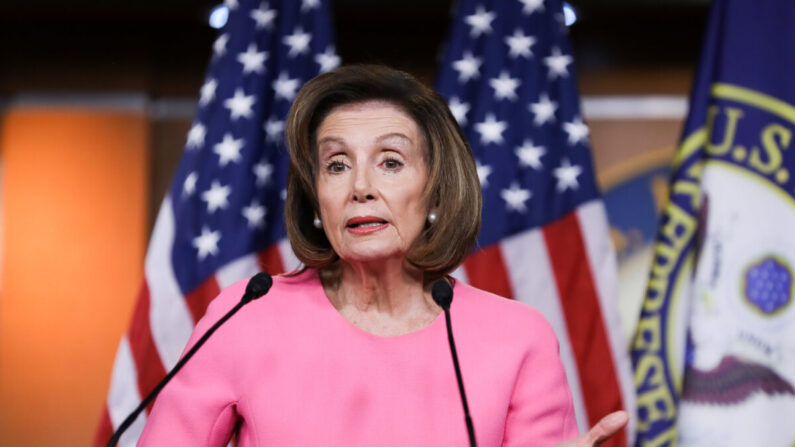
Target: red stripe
<point>199,298</point>
<point>142,345</point>
<point>586,327</point>
<point>486,270</point>
<point>270,260</point>
<point>104,430</point>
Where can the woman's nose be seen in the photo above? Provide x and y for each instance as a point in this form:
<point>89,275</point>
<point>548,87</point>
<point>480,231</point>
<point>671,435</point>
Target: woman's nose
<point>362,186</point>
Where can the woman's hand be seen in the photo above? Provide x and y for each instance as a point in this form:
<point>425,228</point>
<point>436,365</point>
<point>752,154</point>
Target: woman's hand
<point>604,429</point>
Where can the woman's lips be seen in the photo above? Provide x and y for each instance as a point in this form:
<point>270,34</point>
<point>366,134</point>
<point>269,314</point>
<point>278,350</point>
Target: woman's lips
<point>365,225</point>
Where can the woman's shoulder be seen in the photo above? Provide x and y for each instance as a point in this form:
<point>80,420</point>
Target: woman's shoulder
<point>500,314</point>
<point>284,290</point>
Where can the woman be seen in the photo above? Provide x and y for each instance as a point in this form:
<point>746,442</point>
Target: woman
<point>382,200</point>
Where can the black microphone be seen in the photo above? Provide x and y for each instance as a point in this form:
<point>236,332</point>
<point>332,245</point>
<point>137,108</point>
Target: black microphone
<point>257,286</point>
<point>442,293</point>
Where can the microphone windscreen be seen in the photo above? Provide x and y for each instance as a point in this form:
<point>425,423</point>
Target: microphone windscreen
<point>258,285</point>
<point>442,293</point>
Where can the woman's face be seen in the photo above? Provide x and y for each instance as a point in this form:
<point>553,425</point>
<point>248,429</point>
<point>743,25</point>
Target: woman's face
<point>372,175</point>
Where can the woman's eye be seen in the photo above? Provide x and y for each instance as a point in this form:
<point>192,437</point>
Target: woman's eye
<point>335,167</point>
<point>392,164</point>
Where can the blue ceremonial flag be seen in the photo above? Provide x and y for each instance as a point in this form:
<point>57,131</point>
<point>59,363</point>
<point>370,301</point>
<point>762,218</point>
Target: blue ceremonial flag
<point>714,352</point>
<point>508,77</point>
<point>222,219</point>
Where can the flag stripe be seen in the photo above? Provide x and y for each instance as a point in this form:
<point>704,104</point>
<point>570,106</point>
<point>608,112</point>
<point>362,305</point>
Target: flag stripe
<point>270,260</point>
<point>245,267</point>
<point>289,262</point>
<point>142,347</point>
<point>584,320</point>
<point>532,286</point>
<point>199,298</point>
<point>170,319</point>
<point>105,430</point>
<point>485,269</point>
<point>602,259</point>
<point>460,274</point>
<point>123,396</point>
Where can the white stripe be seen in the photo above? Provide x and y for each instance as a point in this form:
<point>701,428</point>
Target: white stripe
<point>460,274</point>
<point>289,260</point>
<point>241,268</point>
<point>602,258</point>
<point>170,320</point>
<point>123,395</point>
<point>532,282</point>
<point>626,107</point>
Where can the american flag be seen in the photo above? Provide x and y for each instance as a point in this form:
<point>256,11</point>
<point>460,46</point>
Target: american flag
<point>221,220</point>
<point>508,77</point>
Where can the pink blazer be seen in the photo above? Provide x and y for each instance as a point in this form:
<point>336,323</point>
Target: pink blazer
<point>289,370</point>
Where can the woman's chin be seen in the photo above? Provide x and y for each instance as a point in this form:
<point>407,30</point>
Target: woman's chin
<point>374,256</point>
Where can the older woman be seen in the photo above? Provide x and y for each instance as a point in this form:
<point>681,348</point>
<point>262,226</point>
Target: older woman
<point>382,200</point>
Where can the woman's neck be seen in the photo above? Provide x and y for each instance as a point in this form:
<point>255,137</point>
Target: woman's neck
<point>383,298</point>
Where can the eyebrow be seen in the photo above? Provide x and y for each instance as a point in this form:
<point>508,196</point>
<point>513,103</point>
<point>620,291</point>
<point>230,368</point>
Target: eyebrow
<point>394,135</point>
<point>330,139</point>
<point>387,136</point>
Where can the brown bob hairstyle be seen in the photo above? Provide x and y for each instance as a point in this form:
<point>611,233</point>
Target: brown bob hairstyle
<point>453,189</point>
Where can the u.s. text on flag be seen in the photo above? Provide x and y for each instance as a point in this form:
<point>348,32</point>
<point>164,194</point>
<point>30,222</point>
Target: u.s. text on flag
<point>508,77</point>
<point>221,220</point>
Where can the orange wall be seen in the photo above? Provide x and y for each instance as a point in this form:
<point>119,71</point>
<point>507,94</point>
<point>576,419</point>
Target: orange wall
<point>74,211</point>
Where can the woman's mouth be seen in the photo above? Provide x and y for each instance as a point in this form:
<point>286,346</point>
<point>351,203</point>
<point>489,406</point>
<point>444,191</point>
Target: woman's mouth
<point>365,225</point>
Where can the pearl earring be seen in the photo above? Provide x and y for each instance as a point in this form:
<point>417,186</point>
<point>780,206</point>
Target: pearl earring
<point>317,222</point>
<point>432,216</point>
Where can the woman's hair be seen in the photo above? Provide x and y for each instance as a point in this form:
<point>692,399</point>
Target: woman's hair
<point>453,189</point>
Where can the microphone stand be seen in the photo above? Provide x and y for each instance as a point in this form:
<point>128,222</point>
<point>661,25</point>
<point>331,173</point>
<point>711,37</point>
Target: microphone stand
<point>442,293</point>
<point>257,286</point>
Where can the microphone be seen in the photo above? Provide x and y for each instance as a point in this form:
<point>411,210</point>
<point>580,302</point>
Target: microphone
<point>442,294</point>
<point>257,286</point>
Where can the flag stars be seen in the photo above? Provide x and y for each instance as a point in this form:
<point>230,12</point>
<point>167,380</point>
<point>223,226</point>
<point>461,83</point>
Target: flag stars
<point>263,171</point>
<point>556,64</point>
<point>308,5</point>
<point>519,45</point>
<point>577,130</point>
<point>207,243</point>
<point>567,175</point>
<point>328,60</point>
<point>298,42</point>
<point>515,198</point>
<point>468,67</point>
<point>491,130</point>
<point>228,150</point>
<point>240,105</point>
<point>530,154</point>
<point>285,87</point>
<point>219,46</point>
<point>253,60</point>
<point>263,16</point>
<point>480,21</point>
<point>217,197</point>
<point>207,92</point>
<point>459,110</point>
<point>504,86</point>
<point>544,110</point>
<point>231,4</point>
<point>274,130</point>
<point>483,173</point>
<point>255,215</point>
<point>189,185</point>
<point>196,136</point>
<point>531,6</point>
